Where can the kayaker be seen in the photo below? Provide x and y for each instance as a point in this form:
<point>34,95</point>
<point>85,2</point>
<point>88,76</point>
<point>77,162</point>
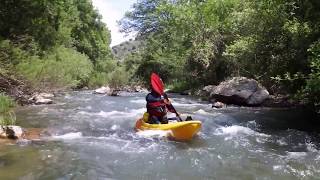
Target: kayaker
<point>157,107</point>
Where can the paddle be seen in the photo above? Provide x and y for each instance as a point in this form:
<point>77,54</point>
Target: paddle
<point>158,86</point>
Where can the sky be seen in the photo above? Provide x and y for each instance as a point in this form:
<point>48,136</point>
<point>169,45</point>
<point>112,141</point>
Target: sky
<point>112,11</point>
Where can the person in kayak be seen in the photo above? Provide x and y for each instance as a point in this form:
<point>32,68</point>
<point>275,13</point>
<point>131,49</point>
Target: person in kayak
<point>157,107</point>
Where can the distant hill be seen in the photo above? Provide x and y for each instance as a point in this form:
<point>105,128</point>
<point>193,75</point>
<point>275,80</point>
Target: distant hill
<point>125,48</point>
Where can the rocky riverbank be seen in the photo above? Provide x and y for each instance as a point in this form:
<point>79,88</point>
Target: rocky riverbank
<point>242,91</point>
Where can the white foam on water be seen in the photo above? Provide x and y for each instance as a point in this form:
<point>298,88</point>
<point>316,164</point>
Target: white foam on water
<point>108,114</point>
<point>311,147</point>
<point>68,96</point>
<point>277,167</point>
<point>260,140</point>
<point>188,105</point>
<point>201,111</point>
<point>237,130</point>
<point>69,136</point>
<point>153,133</point>
<point>282,142</point>
<point>252,123</point>
<point>300,173</point>
<point>115,127</point>
<point>130,113</point>
<point>138,101</point>
<point>296,155</point>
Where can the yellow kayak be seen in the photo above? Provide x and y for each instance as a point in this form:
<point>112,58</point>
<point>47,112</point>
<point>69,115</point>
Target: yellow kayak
<point>181,131</point>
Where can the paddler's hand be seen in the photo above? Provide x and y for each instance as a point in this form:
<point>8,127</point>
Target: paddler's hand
<point>167,101</point>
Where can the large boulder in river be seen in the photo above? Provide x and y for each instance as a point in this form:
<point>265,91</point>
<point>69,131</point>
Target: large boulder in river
<point>239,91</point>
<point>107,90</point>
<point>103,90</point>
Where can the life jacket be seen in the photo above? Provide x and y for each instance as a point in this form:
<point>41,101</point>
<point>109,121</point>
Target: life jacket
<point>156,107</point>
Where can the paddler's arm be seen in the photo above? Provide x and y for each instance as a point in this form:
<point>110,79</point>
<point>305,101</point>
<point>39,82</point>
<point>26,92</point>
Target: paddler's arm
<point>168,104</point>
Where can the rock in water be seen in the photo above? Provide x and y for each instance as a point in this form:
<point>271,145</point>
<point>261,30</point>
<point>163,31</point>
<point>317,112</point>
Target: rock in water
<point>43,101</point>
<point>114,93</point>
<point>103,90</point>
<point>218,105</point>
<point>107,90</point>
<point>11,132</point>
<point>239,91</point>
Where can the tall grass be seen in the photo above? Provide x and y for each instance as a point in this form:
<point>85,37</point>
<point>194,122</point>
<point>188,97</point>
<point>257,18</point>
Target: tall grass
<point>7,116</point>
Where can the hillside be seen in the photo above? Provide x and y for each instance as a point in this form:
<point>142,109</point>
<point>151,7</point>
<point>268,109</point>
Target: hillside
<point>125,48</point>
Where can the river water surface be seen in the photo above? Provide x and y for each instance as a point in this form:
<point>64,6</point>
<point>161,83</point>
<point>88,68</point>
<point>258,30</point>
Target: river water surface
<point>92,137</point>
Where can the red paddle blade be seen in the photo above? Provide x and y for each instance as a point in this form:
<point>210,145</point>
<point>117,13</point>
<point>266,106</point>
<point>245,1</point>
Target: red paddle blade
<point>157,84</point>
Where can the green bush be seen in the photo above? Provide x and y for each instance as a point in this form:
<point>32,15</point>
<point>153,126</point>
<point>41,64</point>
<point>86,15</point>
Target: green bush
<point>97,79</point>
<point>118,78</point>
<point>102,69</point>
<point>106,66</point>
<point>61,68</point>
<point>10,55</point>
<point>179,86</point>
<point>7,116</point>
<point>313,82</point>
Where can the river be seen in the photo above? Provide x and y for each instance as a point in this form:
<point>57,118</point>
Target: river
<point>92,137</point>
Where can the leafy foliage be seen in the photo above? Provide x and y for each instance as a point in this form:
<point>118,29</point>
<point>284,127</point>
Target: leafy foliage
<point>313,81</point>
<point>90,35</point>
<point>204,42</point>
<point>63,67</point>
<point>58,43</point>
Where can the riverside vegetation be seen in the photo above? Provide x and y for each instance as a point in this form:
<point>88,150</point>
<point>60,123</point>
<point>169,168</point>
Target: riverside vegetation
<point>193,43</point>
<point>57,44</point>
<point>61,44</point>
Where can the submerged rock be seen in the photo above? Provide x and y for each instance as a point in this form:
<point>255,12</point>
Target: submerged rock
<point>239,91</point>
<point>107,90</point>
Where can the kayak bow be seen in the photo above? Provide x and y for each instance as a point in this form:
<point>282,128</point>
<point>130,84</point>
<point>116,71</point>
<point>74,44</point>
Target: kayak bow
<point>181,131</point>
